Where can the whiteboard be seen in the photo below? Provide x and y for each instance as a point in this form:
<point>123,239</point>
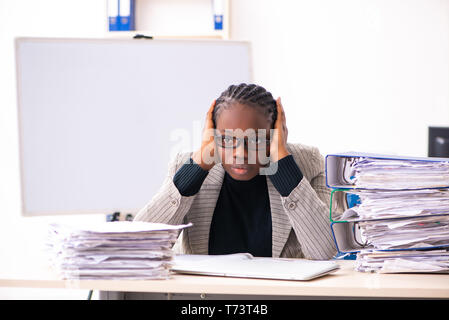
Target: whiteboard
<point>100,119</point>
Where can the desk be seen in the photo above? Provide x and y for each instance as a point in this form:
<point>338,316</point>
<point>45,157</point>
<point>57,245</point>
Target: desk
<point>342,284</point>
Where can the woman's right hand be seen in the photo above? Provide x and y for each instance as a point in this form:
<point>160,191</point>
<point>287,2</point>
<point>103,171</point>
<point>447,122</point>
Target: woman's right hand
<point>205,156</point>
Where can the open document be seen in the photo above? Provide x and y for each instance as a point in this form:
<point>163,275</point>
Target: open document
<point>113,250</point>
<point>244,265</point>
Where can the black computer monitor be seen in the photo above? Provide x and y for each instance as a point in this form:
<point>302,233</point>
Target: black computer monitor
<point>439,142</point>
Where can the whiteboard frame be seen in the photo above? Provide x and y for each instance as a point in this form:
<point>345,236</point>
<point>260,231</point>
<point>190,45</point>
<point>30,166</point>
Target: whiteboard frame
<point>17,42</point>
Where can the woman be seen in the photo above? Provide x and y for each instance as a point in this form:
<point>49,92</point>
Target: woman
<point>246,189</point>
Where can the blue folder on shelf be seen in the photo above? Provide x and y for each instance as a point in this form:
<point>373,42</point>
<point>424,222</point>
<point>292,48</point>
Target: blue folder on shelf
<point>113,18</point>
<point>126,15</point>
<point>121,15</point>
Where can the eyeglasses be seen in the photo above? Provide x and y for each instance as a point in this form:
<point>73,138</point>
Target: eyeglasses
<point>252,143</point>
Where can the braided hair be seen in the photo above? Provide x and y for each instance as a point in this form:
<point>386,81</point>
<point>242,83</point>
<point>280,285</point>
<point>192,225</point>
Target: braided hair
<point>250,95</point>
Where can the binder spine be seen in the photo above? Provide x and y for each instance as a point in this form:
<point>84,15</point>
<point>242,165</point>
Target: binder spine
<point>127,15</point>
<point>121,15</point>
<point>217,6</point>
<point>113,18</point>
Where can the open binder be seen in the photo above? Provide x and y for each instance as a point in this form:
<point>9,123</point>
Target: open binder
<point>348,240</point>
<point>341,172</point>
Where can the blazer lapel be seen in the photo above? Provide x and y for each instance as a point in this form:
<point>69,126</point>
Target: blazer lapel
<point>202,210</point>
<point>281,226</point>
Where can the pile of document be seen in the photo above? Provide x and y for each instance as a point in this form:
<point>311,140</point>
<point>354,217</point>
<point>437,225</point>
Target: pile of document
<point>402,218</point>
<point>408,261</point>
<point>419,232</point>
<point>372,173</point>
<point>382,204</point>
<point>113,250</point>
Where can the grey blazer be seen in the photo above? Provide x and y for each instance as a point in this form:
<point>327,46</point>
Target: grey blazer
<point>300,221</point>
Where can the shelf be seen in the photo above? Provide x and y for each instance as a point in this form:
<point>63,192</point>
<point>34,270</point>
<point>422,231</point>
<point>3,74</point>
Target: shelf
<point>176,19</point>
<point>131,34</point>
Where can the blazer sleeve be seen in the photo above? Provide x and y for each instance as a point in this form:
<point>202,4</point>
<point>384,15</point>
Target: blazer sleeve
<point>168,205</point>
<point>307,207</point>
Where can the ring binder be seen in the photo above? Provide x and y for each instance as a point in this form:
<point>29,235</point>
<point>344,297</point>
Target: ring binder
<point>126,15</point>
<point>379,223</point>
<point>113,19</point>
<point>121,15</point>
<point>339,174</point>
<point>348,241</point>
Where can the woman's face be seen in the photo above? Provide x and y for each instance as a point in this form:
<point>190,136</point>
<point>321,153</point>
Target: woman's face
<point>243,122</point>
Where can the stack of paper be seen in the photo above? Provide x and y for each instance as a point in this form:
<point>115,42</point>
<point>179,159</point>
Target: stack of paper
<point>380,204</point>
<point>400,222</point>
<point>384,174</point>
<point>113,250</point>
<point>420,232</point>
<point>417,261</point>
<point>403,214</point>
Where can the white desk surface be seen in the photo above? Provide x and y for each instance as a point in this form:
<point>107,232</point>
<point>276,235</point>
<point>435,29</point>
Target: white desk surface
<point>344,283</point>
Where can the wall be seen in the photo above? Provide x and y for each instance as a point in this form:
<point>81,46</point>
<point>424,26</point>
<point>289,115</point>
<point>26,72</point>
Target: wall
<point>353,75</point>
<point>23,237</point>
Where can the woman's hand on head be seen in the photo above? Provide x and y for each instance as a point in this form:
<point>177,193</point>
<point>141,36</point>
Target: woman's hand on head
<point>205,156</point>
<point>278,145</point>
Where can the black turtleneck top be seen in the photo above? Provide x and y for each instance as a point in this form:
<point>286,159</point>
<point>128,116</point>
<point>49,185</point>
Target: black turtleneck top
<point>242,217</point>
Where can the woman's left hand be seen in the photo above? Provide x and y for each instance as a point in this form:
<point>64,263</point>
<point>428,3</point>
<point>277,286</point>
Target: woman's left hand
<point>278,146</point>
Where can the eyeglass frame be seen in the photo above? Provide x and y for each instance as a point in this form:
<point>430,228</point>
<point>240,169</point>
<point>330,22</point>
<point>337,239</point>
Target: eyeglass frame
<point>218,137</point>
